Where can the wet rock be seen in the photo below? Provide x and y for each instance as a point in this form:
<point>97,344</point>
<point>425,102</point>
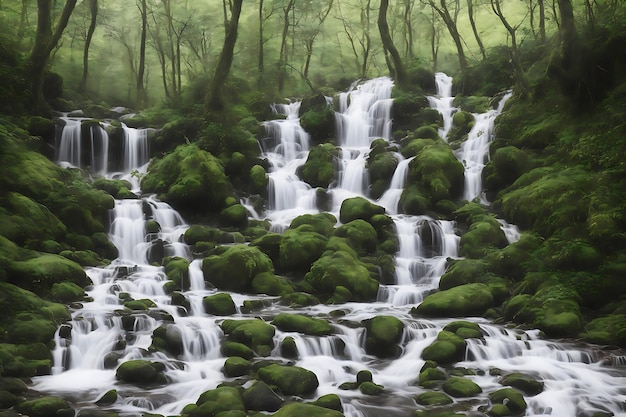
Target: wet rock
<point>108,398</point>
<point>235,269</point>
<point>330,401</point>
<point>302,324</point>
<point>383,335</point>
<point>236,349</point>
<point>309,410</point>
<point>141,372</point>
<point>459,387</point>
<point>291,380</point>
<point>358,208</point>
<point>300,247</point>
<point>447,348</point>
<point>288,348</point>
<point>260,397</point>
<point>464,300</point>
<point>219,304</point>
<point>43,407</point>
<point>512,398</point>
<point>525,383</point>
<point>433,399</point>
<point>370,388</point>
<point>254,333</point>
<point>235,366</point>
<point>319,168</point>
<point>221,399</point>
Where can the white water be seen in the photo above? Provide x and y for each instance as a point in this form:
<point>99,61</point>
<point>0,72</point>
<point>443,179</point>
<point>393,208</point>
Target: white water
<point>577,382</point>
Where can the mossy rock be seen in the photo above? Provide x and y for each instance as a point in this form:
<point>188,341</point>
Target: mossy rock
<point>300,247</point>
<point>39,274</point>
<point>291,380</point>
<point>299,299</point>
<point>235,366</point>
<point>288,348</point>
<point>609,330</point>
<point>360,235</point>
<point>108,398</point>
<point>510,397</point>
<point>236,349</point>
<point>303,324</point>
<point>31,328</point>
<point>270,284</point>
<point>235,269</point>
<point>66,292</point>
<point>177,270</point>
<point>370,388</point>
<point>323,223</point>
<point>358,208</point>
<point>433,398</point>
<point>260,397</point>
<point>141,372</point>
<point>254,333</point>
<point>464,329</point>
<point>116,188</point>
<point>198,233</point>
<point>431,377</point>
<point>234,216</point>
<point>412,201</point>
<point>190,179</point>
<point>463,271</point>
<point>269,244</point>
<point>507,165</point>
<point>462,301</point>
<point>525,383</point>
<point>258,180</point>
<point>221,304</point>
<point>330,401</point>
<point>342,269</point>
<point>319,122</point>
<point>436,171</point>
<point>499,410</point>
<point>383,335</point>
<point>447,348</point>
<point>43,407</point>
<point>462,123</point>
<point>309,410</point>
<point>482,236</point>
<point>406,107</point>
<point>381,169</point>
<point>319,168</point>
<point>218,400</point>
<point>459,387</point>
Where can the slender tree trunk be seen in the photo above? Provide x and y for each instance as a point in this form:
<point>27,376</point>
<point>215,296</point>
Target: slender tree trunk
<point>23,18</point>
<point>282,60</point>
<point>542,21</point>
<point>45,41</point>
<point>93,7</point>
<point>261,40</point>
<point>470,12</point>
<point>434,40</point>
<point>141,92</point>
<point>569,37</point>
<point>454,32</point>
<point>394,63</point>
<point>216,100</point>
<point>520,75</point>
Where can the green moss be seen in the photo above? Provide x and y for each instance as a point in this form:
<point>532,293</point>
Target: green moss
<point>330,401</point>
<point>309,410</point>
<point>300,247</point>
<point>303,324</point>
<point>234,216</point>
<point>360,236</point>
<point>254,333</point>
<point>270,284</point>
<point>235,269</point>
<point>177,270</point>
<point>236,349</point>
<point>236,366</point>
<point>66,292</point>
<point>383,335</point>
<point>219,304</point>
<point>261,397</point>
<point>358,208</point>
<point>140,372</point>
<point>381,169</point>
<point>511,397</point>
<point>464,300</point>
<point>190,179</point>
<point>43,407</point>
<point>258,179</point>
<point>319,168</point>
<point>24,220</point>
<point>323,223</point>
<point>433,398</point>
<point>319,122</point>
<point>39,274</point>
<point>291,380</point>
<point>463,271</point>
<point>218,400</point>
<point>524,383</point>
<point>458,387</point>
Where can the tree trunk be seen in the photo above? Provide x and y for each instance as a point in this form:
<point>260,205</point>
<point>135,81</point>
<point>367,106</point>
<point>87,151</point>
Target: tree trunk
<point>542,21</point>
<point>454,32</point>
<point>470,12</point>
<point>141,92</point>
<point>45,41</point>
<point>261,40</point>
<point>282,59</point>
<point>23,17</point>
<point>520,76</point>
<point>395,62</point>
<point>215,100</point>
<point>93,7</point>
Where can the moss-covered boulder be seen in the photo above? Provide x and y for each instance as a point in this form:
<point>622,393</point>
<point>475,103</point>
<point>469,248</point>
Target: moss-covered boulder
<point>342,269</point>
<point>300,247</point>
<point>24,360</point>
<point>108,398</point>
<point>483,235</point>
<point>300,409</point>
<point>383,335</point>
<point>330,401</point>
<point>260,397</point>
<point>358,208</point>
<point>512,398</point>
<point>436,171</point>
<point>270,284</point>
<point>319,168</point>
<point>258,180</point>
<point>236,349</point>
<point>322,223</point>
<point>462,301</point>
<point>221,304</point>
<point>525,383</point>
<point>23,219</point>
<point>119,189</point>
<point>463,271</point>
<point>190,179</point>
<point>234,216</point>
<point>447,348</point>
<point>43,407</point>
<point>319,122</point>
<point>141,372</point>
<point>360,236</point>
<point>303,324</point>
<point>381,167</point>
<point>553,308</point>
<point>462,123</point>
<point>433,398</point>
<point>198,233</point>
<point>464,329</point>
<point>254,333</point>
<point>235,269</point>
<point>66,292</point>
<point>459,387</point>
<point>40,273</point>
<point>609,330</point>
<point>177,270</point>
<point>507,165</point>
<point>235,366</point>
<point>432,377</point>
<point>218,400</point>
<point>291,380</point>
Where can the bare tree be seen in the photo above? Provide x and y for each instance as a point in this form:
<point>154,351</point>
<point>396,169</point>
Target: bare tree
<point>141,89</point>
<point>359,36</point>
<point>93,9</point>
<point>470,12</point>
<point>450,21</point>
<point>394,62</point>
<point>520,76</point>
<point>310,34</point>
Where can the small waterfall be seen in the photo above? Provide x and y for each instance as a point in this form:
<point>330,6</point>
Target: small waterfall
<point>443,102</point>
<point>70,147</point>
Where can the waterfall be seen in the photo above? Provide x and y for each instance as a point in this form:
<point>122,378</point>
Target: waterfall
<point>443,102</point>
<point>578,379</point>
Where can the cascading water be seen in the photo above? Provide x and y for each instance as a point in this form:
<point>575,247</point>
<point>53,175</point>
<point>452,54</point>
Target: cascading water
<point>99,339</point>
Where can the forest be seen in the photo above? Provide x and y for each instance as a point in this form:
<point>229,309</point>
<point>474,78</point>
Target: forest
<point>280,286</point>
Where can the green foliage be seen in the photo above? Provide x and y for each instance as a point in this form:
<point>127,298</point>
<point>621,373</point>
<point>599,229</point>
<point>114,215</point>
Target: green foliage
<point>319,168</point>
